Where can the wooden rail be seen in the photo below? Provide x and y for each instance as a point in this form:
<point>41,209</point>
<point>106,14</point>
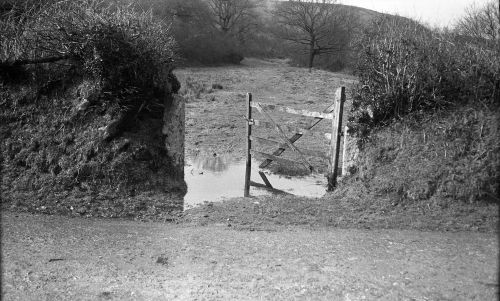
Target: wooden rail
<point>306,113</point>
<point>274,158</point>
<point>292,129</point>
<point>284,138</point>
<point>297,136</point>
<point>269,142</point>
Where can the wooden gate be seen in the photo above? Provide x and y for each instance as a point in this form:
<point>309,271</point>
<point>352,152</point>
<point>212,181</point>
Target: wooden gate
<point>332,112</point>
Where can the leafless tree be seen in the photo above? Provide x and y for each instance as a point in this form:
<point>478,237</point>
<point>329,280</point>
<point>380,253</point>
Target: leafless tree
<point>234,16</point>
<point>482,23</point>
<point>321,25</point>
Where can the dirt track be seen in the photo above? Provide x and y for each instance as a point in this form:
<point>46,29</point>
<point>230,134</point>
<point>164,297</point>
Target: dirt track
<point>60,258</point>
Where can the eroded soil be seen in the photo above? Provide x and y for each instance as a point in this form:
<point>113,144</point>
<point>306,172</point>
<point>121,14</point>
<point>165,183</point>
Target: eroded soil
<point>61,258</point>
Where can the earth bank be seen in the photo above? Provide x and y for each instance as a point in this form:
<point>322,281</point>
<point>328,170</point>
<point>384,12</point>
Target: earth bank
<point>91,121</point>
<point>71,153</point>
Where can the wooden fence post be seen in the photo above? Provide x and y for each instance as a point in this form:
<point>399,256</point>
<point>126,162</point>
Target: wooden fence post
<point>335,141</point>
<point>249,146</point>
<point>344,150</point>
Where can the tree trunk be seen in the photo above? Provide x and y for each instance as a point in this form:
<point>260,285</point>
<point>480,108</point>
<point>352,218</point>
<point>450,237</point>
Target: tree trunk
<point>311,56</point>
<point>312,53</point>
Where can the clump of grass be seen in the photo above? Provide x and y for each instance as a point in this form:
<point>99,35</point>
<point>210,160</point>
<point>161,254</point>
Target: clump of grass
<point>193,89</point>
<point>448,155</point>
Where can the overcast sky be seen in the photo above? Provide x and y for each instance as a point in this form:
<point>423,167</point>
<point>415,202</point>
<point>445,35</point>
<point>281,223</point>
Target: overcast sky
<point>434,12</point>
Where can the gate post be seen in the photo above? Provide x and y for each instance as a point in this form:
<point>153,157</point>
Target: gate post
<point>335,140</point>
<point>344,150</point>
<point>248,169</point>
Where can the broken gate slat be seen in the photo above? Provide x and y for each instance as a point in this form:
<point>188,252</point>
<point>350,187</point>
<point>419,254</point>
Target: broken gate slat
<point>297,136</point>
<point>274,158</point>
<point>269,125</point>
<point>293,129</point>
<point>269,142</point>
<point>334,171</point>
<point>284,137</point>
<point>264,178</point>
<point>274,190</point>
<point>306,113</point>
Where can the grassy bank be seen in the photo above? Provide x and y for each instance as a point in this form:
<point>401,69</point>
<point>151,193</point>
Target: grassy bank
<point>446,156</point>
<point>84,89</point>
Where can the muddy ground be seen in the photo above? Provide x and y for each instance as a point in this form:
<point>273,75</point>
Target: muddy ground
<point>62,258</point>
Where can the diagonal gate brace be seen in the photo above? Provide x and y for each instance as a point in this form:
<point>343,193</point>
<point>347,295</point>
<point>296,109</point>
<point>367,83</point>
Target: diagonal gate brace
<point>264,178</point>
<point>297,136</point>
<point>284,137</point>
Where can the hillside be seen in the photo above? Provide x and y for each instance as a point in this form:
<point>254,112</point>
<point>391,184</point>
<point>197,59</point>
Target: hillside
<point>267,39</point>
<point>365,15</point>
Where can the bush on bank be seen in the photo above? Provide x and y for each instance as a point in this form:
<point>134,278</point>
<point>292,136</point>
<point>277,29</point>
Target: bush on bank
<point>84,88</point>
<point>115,45</point>
<point>425,112</point>
<point>404,67</point>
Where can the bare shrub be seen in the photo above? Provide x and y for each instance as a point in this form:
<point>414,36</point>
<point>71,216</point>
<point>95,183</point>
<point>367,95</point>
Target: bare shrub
<point>236,17</point>
<point>404,67</point>
<point>113,44</point>
<point>482,23</point>
<point>199,29</point>
<point>321,27</point>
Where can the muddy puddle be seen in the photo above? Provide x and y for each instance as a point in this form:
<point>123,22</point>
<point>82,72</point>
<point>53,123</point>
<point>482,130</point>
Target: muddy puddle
<point>215,178</point>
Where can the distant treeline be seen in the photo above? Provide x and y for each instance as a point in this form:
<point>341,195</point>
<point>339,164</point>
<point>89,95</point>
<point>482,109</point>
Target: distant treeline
<point>221,31</point>
<point>316,33</point>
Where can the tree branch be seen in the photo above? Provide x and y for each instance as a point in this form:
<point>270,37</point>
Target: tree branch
<point>35,61</point>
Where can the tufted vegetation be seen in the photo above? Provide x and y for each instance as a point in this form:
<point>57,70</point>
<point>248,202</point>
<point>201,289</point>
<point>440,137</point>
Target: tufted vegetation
<point>84,86</point>
<point>405,68</point>
<point>113,44</point>
<point>425,112</point>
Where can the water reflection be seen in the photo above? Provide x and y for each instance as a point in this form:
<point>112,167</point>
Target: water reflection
<point>213,162</point>
<point>217,177</point>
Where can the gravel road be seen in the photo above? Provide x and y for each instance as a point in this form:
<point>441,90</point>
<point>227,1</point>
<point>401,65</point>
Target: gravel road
<point>61,258</point>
